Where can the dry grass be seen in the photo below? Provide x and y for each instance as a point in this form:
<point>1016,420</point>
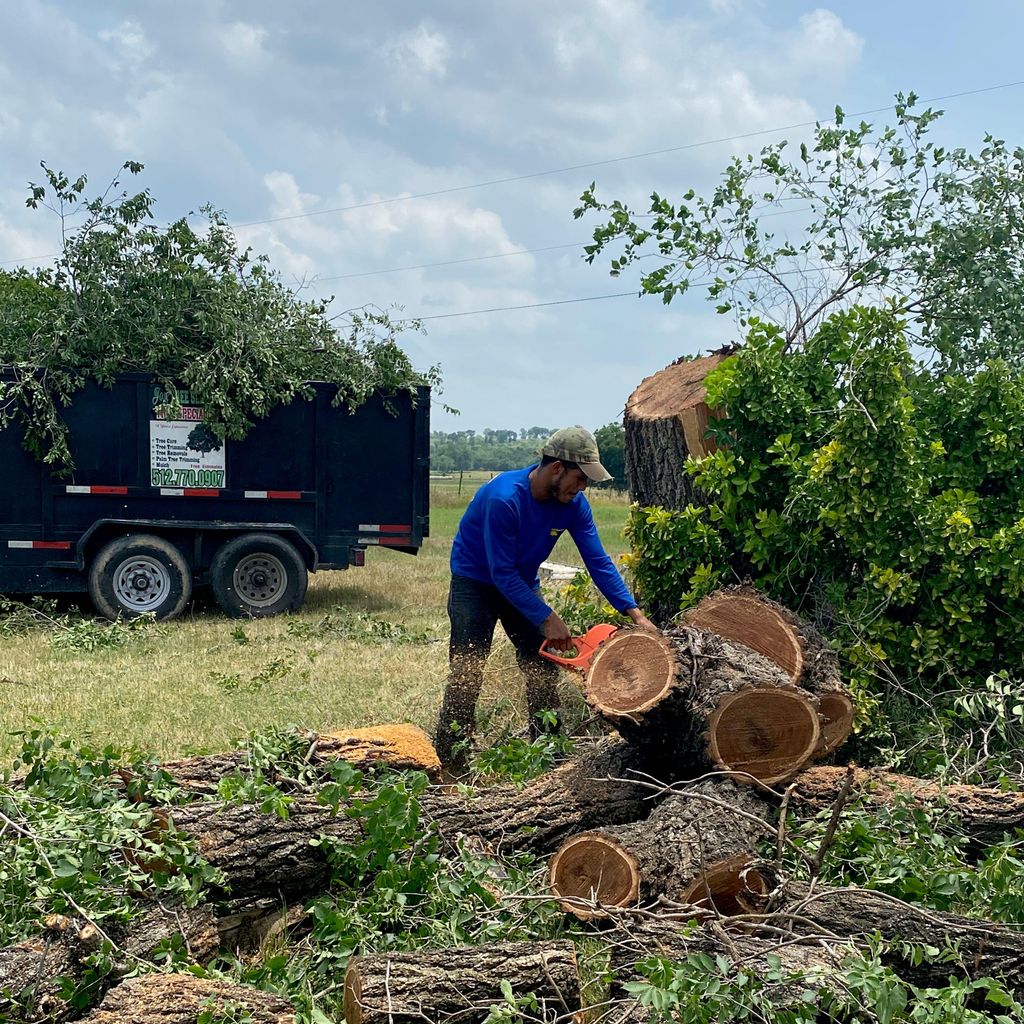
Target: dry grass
<point>193,686</point>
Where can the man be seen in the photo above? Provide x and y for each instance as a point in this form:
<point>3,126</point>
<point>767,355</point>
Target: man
<point>510,527</point>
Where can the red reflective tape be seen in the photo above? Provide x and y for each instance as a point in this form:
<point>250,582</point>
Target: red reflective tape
<point>52,545</point>
<point>200,492</point>
<point>287,495</point>
<point>391,528</point>
<point>396,542</point>
<point>102,489</point>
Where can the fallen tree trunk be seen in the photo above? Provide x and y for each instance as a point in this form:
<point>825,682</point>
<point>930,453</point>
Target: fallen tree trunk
<point>37,972</point>
<point>985,813</point>
<point>261,854</point>
<point>666,421</point>
<point>401,747</point>
<point>459,986</point>
<point>785,968</point>
<point>180,998</point>
<point>692,700</point>
<point>697,847</point>
<point>984,949</point>
<point>746,616</point>
<point>535,818</point>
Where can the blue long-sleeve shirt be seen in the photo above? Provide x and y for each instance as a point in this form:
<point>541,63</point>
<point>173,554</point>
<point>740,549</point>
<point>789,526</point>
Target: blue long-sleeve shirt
<point>506,533</point>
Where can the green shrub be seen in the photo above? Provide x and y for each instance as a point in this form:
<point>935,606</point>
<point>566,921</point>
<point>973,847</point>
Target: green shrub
<point>872,495</point>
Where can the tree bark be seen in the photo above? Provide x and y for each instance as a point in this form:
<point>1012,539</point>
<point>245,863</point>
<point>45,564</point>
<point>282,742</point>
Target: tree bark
<point>535,818</point>
<point>262,854</point>
<point>180,998</point>
<point>401,747</point>
<point>745,615</point>
<point>652,937</point>
<point>985,949</point>
<point>692,700</point>
<point>666,421</point>
<point>985,813</point>
<point>697,847</point>
<point>30,970</point>
<point>459,986</point>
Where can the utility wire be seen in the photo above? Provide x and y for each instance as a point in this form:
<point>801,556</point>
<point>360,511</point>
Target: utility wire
<point>612,160</point>
<point>586,298</point>
<point>573,167</point>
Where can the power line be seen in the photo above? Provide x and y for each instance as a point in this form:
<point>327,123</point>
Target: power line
<point>527,305</point>
<point>451,263</point>
<point>612,160</point>
<point>585,298</point>
<point>559,170</point>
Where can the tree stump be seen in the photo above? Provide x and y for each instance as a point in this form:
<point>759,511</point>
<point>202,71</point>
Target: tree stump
<point>666,421</point>
<point>693,700</point>
<point>746,616</point>
<point>589,791</point>
<point>180,998</point>
<point>31,970</point>
<point>697,847</point>
<point>459,986</point>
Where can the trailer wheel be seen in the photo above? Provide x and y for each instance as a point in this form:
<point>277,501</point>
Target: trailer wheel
<point>258,575</point>
<point>138,574</point>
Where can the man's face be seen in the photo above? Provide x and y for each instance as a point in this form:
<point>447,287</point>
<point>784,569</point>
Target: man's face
<point>567,483</point>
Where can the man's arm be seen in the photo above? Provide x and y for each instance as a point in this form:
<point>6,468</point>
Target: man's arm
<point>602,569</point>
<point>501,527</point>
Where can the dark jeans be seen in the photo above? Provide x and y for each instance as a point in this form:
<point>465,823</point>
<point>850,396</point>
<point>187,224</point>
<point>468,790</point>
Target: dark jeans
<point>474,609</point>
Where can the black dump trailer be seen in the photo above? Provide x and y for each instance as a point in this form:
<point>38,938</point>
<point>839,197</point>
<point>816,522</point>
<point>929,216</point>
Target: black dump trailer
<point>158,504</point>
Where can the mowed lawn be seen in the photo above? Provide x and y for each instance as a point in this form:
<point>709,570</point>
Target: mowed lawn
<point>202,682</point>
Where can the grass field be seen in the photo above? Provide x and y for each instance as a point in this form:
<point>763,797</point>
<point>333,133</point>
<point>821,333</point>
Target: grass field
<point>203,681</point>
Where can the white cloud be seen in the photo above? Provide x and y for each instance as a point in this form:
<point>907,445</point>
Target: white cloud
<point>422,50</point>
<point>824,43</point>
<point>243,41</point>
<point>128,44</point>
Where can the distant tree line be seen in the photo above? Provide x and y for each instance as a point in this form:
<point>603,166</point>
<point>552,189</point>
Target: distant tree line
<point>499,450</point>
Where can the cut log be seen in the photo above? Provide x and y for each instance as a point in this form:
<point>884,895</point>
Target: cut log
<point>180,998</point>
<point>535,818</point>
<point>799,964</point>
<point>459,986</point>
<point>666,421</point>
<point>31,970</point>
<point>985,949</point>
<point>697,847</point>
<point>694,700</point>
<point>401,747</point>
<point>986,814</point>
<point>262,854</point>
<point>746,616</point>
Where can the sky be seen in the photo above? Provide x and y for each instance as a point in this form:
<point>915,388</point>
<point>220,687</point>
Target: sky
<point>280,114</point>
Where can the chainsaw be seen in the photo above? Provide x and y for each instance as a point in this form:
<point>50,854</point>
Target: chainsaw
<point>586,647</point>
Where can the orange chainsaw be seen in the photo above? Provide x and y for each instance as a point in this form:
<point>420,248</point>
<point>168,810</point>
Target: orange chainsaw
<point>586,647</point>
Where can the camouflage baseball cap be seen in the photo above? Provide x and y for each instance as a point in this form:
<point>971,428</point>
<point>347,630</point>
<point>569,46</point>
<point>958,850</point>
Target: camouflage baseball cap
<point>577,444</point>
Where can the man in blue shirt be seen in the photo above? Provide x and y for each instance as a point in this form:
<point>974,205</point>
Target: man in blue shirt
<point>510,527</point>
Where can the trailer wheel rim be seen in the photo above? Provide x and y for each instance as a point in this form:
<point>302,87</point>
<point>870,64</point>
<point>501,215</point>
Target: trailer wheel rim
<point>260,579</point>
<point>142,584</point>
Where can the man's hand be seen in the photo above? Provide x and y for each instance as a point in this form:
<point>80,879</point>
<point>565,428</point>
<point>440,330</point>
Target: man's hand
<point>555,630</point>
<point>641,620</point>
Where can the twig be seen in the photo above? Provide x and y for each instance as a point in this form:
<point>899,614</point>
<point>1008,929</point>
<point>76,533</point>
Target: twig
<point>837,810</point>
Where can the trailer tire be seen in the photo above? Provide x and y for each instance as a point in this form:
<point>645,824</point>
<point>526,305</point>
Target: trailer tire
<point>137,574</point>
<point>258,575</point>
